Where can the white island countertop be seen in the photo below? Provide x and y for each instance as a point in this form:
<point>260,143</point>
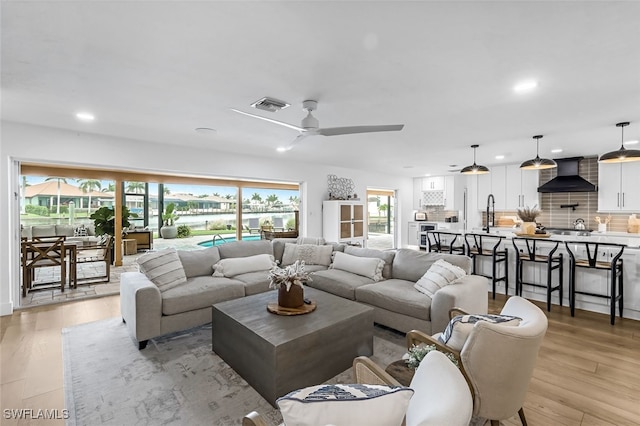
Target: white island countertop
<point>632,241</point>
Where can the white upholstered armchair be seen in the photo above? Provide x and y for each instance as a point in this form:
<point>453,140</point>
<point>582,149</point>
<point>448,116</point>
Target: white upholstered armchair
<point>498,360</point>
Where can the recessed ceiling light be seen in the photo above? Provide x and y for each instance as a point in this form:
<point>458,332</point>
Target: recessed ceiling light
<point>556,151</point>
<point>427,174</point>
<point>525,86</point>
<point>85,116</point>
<point>283,149</point>
<point>631,142</point>
<point>499,157</point>
<point>206,131</point>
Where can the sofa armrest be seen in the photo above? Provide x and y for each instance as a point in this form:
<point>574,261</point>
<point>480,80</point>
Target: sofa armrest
<point>469,294</point>
<point>140,305</point>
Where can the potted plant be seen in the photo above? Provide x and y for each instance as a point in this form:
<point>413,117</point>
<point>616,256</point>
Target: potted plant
<point>169,218</point>
<point>528,217</point>
<point>289,282</point>
<point>104,220</point>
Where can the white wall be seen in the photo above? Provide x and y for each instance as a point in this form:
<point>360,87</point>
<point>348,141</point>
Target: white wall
<point>48,145</point>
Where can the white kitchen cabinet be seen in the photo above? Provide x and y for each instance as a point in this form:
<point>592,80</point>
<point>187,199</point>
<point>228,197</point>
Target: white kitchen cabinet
<point>343,221</point>
<point>492,183</point>
<point>412,237</point>
<point>433,183</point>
<point>417,193</point>
<point>618,187</point>
<point>454,187</point>
<point>521,187</point>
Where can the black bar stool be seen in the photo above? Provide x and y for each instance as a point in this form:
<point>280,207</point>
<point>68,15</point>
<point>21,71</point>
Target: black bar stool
<point>602,256</point>
<point>538,251</point>
<point>445,242</point>
<point>488,245</point>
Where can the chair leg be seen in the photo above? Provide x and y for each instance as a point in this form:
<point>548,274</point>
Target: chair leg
<point>522,418</point>
<point>560,279</point>
<point>495,422</point>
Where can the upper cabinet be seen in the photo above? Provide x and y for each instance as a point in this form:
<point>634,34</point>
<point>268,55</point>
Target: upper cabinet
<point>512,188</point>
<point>616,192</point>
<point>521,187</point>
<point>446,191</point>
<point>433,183</point>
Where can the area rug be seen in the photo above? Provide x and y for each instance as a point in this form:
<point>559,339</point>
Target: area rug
<point>176,380</point>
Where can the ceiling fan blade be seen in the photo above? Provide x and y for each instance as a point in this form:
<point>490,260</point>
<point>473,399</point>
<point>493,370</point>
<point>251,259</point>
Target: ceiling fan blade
<point>296,141</point>
<point>291,126</point>
<point>334,131</point>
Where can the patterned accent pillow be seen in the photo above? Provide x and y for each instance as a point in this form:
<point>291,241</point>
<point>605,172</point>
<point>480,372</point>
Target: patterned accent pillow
<point>243,265</point>
<point>163,268</point>
<point>369,267</point>
<point>80,231</point>
<point>459,328</point>
<point>351,404</point>
<point>441,274</point>
<point>311,254</point>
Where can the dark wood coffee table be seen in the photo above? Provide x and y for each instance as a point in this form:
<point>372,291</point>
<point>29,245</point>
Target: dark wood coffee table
<point>276,354</point>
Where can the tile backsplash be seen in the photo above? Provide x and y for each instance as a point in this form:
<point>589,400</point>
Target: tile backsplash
<point>555,216</point>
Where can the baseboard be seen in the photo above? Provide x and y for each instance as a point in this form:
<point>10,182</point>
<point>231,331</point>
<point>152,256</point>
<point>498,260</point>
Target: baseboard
<point>6,308</point>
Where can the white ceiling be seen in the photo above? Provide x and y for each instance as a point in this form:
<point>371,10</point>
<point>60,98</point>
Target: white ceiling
<point>156,70</point>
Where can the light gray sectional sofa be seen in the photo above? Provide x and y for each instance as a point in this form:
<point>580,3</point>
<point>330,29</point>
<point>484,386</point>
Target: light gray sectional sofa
<point>149,313</point>
<point>86,237</point>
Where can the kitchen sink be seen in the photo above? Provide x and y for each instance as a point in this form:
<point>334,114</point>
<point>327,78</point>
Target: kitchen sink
<point>569,231</point>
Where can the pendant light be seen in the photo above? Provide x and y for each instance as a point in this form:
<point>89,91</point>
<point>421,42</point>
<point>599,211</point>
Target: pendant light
<point>474,169</point>
<point>622,155</point>
<point>538,163</point>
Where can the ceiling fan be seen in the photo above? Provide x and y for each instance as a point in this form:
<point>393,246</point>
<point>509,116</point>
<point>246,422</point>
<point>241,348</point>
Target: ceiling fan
<point>311,127</point>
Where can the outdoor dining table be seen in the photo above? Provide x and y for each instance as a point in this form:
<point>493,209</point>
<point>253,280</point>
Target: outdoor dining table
<point>42,252</point>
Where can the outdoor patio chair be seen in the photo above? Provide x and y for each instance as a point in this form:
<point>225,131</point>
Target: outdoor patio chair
<point>278,224</point>
<point>42,252</point>
<point>98,253</point>
<point>254,226</point>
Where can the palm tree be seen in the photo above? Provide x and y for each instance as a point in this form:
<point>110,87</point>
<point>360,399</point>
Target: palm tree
<point>109,188</point>
<point>167,191</point>
<point>271,199</point>
<point>136,187</point>
<point>58,179</point>
<point>87,186</point>
<point>256,197</point>
<point>228,196</point>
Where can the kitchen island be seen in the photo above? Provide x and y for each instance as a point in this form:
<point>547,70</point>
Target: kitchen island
<point>590,280</point>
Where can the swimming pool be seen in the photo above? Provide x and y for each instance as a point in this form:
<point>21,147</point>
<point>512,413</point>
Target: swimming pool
<point>227,239</point>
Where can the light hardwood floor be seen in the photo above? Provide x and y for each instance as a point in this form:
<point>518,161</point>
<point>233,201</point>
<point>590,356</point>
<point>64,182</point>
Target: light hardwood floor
<point>588,372</point>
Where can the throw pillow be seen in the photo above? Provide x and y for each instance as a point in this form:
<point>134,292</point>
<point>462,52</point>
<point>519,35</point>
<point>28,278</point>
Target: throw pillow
<point>353,404</point>
<point>310,240</point>
<point>311,254</point>
<point>366,266</point>
<point>459,328</point>
<point>441,274</point>
<point>242,265</point>
<point>80,231</point>
<point>163,268</point>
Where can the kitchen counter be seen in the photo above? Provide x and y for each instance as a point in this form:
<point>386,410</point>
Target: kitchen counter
<point>587,279</point>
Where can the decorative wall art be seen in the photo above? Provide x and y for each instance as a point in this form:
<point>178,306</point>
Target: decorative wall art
<point>340,188</point>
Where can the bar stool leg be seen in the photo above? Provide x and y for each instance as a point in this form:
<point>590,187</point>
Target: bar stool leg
<point>572,285</point>
<point>613,294</point>
<point>518,276</point>
<point>506,271</point>
<point>549,283</point>
<point>621,290</point>
<point>560,278</point>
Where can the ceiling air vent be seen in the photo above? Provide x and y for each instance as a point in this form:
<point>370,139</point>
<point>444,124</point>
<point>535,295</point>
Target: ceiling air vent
<point>270,104</point>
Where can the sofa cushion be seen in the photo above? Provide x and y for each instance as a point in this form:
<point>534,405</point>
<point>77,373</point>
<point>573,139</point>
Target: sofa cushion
<point>410,265</point>
<point>254,282</point>
<point>65,230</point>
<point>163,268</point>
<point>369,267</point>
<point>311,254</point>
<point>338,282</point>
<point>43,231</point>
<point>241,265</point>
<point>278,246</point>
<point>199,262</point>
<point>387,256</point>
<point>349,404</point>
<point>200,292</point>
<point>460,326</point>
<point>396,296</point>
<point>441,274</point>
<point>245,248</point>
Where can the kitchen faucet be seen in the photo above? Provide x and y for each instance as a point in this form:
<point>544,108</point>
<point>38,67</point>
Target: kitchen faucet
<point>491,212</point>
